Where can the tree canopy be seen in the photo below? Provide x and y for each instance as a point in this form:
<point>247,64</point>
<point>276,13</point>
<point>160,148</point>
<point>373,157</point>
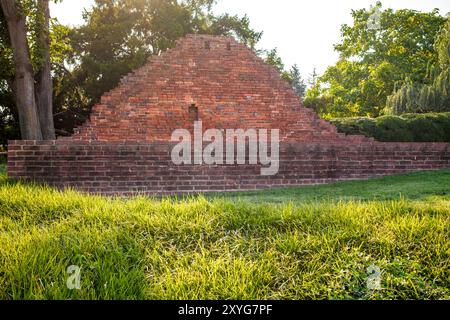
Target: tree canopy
<point>375,60</point>
<point>391,62</point>
<point>117,37</point>
<point>26,83</point>
<point>431,94</point>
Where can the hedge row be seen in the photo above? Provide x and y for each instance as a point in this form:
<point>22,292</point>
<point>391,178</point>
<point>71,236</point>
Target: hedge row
<point>430,127</point>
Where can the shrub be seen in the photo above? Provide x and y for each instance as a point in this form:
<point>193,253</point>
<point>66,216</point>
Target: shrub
<point>430,127</point>
<point>391,128</point>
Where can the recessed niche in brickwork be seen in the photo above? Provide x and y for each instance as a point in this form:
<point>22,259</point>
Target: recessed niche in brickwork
<point>193,113</point>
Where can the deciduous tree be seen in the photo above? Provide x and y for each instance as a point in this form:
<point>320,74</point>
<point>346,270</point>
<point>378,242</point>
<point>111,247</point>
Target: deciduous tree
<point>375,59</point>
<point>419,97</point>
<point>25,33</point>
<point>15,17</point>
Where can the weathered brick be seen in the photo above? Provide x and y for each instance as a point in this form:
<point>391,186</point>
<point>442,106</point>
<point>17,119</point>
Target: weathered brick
<point>124,148</point>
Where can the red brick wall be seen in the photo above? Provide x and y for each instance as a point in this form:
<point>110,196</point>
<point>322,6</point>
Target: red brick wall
<point>124,148</point>
<point>231,87</point>
<point>120,168</point>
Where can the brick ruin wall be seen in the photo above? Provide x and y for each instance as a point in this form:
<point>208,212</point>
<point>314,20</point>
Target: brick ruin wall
<point>119,168</point>
<point>124,148</point>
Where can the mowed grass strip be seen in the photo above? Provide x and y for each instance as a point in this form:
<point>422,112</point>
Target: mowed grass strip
<point>417,185</point>
<point>298,243</point>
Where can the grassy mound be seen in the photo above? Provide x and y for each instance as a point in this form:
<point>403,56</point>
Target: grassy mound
<point>298,243</point>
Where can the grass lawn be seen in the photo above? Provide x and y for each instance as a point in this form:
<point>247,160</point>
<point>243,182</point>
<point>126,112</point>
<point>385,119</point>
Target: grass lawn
<point>414,186</point>
<point>298,243</point>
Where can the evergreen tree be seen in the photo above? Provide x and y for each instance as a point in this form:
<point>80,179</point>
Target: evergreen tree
<point>298,84</point>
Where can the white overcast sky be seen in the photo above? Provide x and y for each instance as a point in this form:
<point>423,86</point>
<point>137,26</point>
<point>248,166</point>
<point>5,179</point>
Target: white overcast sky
<point>303,31</point>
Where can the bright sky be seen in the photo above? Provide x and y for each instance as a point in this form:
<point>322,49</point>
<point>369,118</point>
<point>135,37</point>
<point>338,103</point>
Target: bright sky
<point>303,31</point>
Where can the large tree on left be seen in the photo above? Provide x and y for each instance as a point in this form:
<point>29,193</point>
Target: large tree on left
<point>33,97</point>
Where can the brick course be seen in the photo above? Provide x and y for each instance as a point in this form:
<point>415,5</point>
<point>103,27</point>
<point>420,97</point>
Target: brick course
<point>230,86</point>
<point>125,168</point>
<point>124,148</point>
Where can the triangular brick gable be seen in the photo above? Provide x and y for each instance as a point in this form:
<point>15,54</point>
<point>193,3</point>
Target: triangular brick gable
<point>210,78</point>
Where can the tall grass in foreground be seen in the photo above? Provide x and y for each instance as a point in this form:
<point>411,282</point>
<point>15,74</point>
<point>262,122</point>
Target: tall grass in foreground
<point>219,248</point>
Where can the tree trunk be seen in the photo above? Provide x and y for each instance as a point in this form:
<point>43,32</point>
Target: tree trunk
<point>44,85</point>
<point>24,80</point>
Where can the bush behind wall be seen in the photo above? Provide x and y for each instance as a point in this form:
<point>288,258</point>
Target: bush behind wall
<point>430,127</point>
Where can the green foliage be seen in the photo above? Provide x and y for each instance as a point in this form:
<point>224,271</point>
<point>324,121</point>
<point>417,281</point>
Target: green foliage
<point>9,125</point>
<point>60,49</point>
<point>230,248</point>
<point>293,76</point>
<point>429,97</point>
<point>298,84</point>
<point>431,127</point>
<point>272,58</point>
<point>392,128</point>
<point>318,102</point>
<point>118,36</point>
<point>373,61</point>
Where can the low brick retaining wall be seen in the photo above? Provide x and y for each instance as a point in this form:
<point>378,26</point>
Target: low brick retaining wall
<point>127,168</point>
